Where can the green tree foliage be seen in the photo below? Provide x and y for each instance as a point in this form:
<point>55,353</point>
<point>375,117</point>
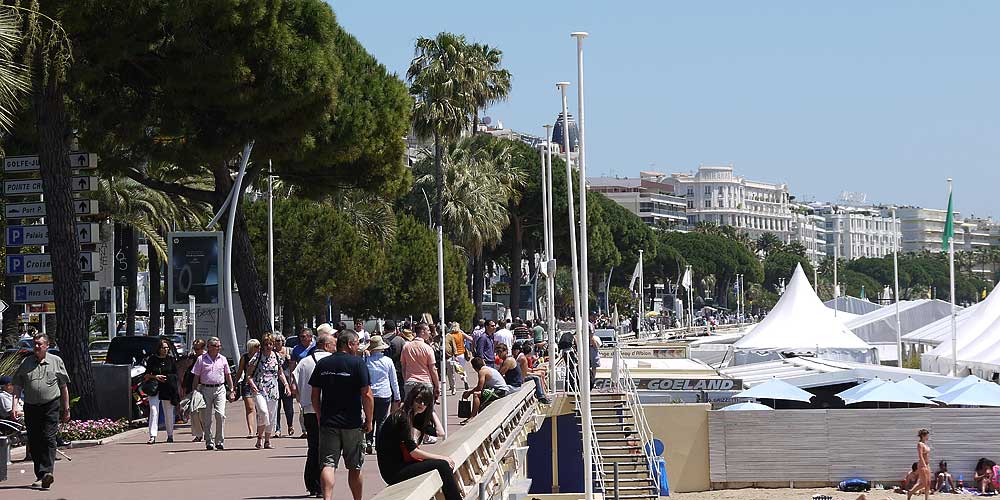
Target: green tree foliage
<point>407,285</point>
<point>781,265</point>
<point>317,254</point>
<point>189,84</point>
<point>717,257</point>
<point>768,243</point>
<point>627,302</point>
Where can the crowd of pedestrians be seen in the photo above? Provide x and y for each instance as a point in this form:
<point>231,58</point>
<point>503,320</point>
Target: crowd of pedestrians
<point>359,393</point>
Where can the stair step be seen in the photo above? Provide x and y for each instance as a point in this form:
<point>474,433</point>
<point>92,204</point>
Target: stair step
<point>610,487</point>
<point>618,424</point>
<point>611,480</point>
<point>650,495</point>
<point>612,448</point>
<point>638,456</point>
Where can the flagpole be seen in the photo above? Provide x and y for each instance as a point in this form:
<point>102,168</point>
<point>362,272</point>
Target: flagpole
<point>950,235</point>
<point>895,278</point>
<point>642,301</point>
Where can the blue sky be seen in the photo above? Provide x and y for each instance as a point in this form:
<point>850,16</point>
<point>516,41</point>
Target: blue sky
<point>887,98</point>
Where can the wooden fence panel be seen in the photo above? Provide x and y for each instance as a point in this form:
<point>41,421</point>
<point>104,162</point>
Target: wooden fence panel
<point>833,445</point>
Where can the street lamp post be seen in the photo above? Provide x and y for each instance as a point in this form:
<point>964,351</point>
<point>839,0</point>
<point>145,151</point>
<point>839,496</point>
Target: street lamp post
<point>574,259</point>
<point>550,261</point>
<point>584,331</point>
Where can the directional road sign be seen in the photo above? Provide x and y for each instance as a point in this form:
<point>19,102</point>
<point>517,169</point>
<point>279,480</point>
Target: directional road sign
<point>36,210</point>
<point>31,163</point>
<point>41,263</point>
<point>3,306</point>
<point>44,292</point>
<point>34,186</point>
<point>19,236</point>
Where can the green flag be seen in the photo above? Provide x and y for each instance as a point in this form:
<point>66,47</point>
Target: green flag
<point>949,225</point>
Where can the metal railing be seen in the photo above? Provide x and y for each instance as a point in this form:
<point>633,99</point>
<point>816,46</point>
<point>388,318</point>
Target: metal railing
<point>484,453</point>
<point>573,381</point>
<point>626,384</point>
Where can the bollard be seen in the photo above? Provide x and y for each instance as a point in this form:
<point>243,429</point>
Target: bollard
<point>4,457</point>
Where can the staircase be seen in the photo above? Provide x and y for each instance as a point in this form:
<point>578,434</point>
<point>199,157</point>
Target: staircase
<point>619,441</point>
<point>618,433</point>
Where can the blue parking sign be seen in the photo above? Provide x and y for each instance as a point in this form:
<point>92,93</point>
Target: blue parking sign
<point>15,264</point>
<point>15,235</point>
<point>20,293</point>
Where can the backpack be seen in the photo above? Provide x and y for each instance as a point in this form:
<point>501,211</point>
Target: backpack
<point>566,341</point>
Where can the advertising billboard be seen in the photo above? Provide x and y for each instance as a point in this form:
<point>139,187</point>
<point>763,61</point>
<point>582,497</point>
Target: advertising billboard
<point>194,268</point>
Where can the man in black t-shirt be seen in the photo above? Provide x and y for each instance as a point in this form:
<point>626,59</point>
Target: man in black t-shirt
<point>341,390</point>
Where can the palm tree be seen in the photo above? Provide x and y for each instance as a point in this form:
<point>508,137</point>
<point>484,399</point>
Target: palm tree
<point>151,214</point>
<point>478,182</point>
<point>15,78</point>
<point>440,82</point>
<point>768,243</point>
<point>490,82</point>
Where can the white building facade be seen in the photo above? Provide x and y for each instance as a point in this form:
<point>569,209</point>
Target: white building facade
<point>714,194</point>
<point>860,231</point>
<point>809,229</point>
<point>648,197</point>
<point>923,228</point>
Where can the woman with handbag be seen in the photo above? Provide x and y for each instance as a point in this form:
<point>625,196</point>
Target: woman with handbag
<point>242,378</point>
<point>399,455</point>
<point>265,373</point>
<point>160,386</point>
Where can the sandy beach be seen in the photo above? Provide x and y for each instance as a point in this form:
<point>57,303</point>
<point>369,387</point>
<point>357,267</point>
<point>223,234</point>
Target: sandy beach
<point>782,494</point>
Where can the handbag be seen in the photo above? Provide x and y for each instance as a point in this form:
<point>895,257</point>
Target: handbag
<point>465,408</point>
<point>150,387</point>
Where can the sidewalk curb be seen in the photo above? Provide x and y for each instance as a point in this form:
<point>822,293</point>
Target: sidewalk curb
<point>17,454</point>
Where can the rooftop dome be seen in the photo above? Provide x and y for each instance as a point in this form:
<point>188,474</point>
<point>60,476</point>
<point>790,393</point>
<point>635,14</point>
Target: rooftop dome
<point>557,132</point>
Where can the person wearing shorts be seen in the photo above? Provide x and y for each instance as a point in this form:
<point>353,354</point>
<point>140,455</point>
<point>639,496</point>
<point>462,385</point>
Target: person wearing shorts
<point>341,390</point>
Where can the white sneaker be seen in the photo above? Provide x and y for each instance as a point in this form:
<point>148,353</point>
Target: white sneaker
<point>430,439</point>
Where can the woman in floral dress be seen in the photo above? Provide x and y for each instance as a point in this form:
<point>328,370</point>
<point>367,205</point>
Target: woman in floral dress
<point>265,374</point>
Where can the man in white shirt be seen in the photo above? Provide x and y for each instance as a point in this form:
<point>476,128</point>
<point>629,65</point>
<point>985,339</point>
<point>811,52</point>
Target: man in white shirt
<point>6,397</point>
<point>325,345</point>
<point>363,336</point>
<point>504,336</point>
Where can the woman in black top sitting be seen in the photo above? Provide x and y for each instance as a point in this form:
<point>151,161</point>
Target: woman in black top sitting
<point>399,457</point>
<point>160,385</point>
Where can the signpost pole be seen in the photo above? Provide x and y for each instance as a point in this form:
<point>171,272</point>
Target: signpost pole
<point>227,290</point>
<point>192,312</point>
<point>270,244</point>
<point>112,314</point>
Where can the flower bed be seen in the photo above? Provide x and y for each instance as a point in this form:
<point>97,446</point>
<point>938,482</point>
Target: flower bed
<point>78,430</point>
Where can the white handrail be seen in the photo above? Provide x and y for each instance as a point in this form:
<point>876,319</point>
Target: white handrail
<point>627,384</point>
<point>573,381</point>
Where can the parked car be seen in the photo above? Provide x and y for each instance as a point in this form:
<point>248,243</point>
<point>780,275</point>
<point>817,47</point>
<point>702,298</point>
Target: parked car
<point>99,350</point>
<point>178,341</point>
<point>134,351</point>
<point>27,346</point>
<point>141,328</point>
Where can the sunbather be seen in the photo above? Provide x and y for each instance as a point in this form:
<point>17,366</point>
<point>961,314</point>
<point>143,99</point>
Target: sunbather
<point>985,476</point>
<point>944,482</point>
<point>909,480</point>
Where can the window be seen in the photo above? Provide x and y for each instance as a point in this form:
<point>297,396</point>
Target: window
<point>708,203</point>
<point>690,191</point>
<point>708,190</point>
<point>690,203</point>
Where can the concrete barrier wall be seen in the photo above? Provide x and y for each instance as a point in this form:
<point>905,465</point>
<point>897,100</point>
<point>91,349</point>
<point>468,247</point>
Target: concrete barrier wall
<point>683,428</point>
<point>827,446</point>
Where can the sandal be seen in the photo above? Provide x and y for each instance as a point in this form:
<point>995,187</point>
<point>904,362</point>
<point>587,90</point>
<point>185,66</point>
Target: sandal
<point>258,444</point>
<point>151,440</point>
<point>267,445</point>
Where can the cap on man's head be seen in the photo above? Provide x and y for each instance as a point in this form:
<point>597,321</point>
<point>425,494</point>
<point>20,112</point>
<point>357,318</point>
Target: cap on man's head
<point>6,379</point>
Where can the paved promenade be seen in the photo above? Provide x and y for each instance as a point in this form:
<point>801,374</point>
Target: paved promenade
<point>130,469</point>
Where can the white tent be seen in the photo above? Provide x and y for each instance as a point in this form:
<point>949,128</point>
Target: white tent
<point>852,305</point>
<point>976,335</point>
<point>800,324</point>
<point>879,326</point>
